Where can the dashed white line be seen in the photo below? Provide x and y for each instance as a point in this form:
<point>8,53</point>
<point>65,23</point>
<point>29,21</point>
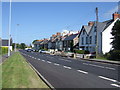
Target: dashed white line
<point>56,64</point>
<point>82,71</point>
<point>108,79</point>
<point>49,62</point>
<point>115,85</point>
<point>43,60</point>
<point>67,67</point>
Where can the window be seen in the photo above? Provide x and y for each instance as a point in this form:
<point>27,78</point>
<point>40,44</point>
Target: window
<point>90,39</point>
<point>86,40</point>
<point>95,39</point>
<point>83,32</point>
<point>95,28</point>
<point>82,41</point>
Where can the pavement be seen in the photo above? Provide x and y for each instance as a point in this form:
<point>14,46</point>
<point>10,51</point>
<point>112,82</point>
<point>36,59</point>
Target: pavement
<point>63,72</point>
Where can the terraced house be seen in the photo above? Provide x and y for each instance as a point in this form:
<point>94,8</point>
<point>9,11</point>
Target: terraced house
<point>91,34</point>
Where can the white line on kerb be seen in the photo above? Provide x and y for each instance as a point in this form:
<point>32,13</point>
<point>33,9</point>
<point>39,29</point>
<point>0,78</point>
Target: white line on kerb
<point>82,71</point>
<point>110,68</point>
<point>67,67</point>
<point>108,79</point>
<point>115,85</point>
<point>49,62</point>
<point>56,64</point>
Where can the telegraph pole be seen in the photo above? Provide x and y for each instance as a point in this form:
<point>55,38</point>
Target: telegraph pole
<point>96,32</point>
<point>9,29</point>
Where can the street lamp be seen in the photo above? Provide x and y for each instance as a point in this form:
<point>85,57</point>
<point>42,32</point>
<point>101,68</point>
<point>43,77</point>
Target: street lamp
<point>16,39</point>
<point>9,29</point>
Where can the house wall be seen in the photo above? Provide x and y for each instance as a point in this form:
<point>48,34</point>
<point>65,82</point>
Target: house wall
<point>106,38</point>
<point>84,40</point>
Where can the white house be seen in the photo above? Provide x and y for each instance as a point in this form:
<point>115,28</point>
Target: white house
<point>88,37</point>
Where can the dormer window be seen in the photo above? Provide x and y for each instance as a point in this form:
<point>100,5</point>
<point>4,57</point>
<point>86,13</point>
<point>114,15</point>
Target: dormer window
<point>83,32</point>
<point>95,28</point>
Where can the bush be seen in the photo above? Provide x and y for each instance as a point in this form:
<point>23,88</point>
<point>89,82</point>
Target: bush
<point>113,55</point>
<point>82,51</point>
<point>3,50</point>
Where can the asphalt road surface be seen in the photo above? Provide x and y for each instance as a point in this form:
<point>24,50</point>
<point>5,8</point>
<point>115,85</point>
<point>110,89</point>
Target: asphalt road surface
<point>63,72</point>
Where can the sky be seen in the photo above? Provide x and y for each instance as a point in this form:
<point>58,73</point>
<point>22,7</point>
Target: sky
<point>38,20</point>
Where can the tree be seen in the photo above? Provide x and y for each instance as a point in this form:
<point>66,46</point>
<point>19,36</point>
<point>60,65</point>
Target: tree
<point>22,46</point>
<point>116,36</point>
<point>115,53</point>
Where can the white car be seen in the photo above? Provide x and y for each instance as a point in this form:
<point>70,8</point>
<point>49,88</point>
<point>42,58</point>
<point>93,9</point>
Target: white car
<point>43,51</point>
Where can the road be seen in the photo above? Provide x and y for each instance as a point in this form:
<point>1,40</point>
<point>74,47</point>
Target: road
<point>63,72</point>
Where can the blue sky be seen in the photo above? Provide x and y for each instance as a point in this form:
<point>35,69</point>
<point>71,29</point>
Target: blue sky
<point>42,19</point>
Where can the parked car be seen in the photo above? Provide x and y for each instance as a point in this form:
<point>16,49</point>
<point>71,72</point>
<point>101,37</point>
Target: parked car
<point>43,51</point>
<point>29,50</point>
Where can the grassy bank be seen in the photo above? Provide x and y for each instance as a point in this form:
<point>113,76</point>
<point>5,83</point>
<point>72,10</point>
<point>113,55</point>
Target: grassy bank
<point>18,74</point>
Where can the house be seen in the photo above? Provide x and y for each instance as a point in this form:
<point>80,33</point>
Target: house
<point>92,35</point>
<point>53,42</point>
<point>5,43</point>
<point>70,42</point>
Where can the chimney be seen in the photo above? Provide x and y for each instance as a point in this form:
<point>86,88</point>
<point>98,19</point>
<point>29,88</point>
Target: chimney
<point>90,23</point>
<point>53,35</point>
<point>58,33</point>
<point>116,15</point>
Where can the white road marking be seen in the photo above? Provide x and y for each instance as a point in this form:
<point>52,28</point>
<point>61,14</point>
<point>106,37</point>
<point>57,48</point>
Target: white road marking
<point>99,66</point>
<point>49,62</point>
<point>110,68</point>
<point>56,64</point>
<point>82,71</point>
<point>67,67</point>
<point>32,57</point>
<point>108,79</point>
<point>115,85</point>
<point>38,59</point>
<point>85,64</point>
<point>43,60</point>
<point>96,65</point>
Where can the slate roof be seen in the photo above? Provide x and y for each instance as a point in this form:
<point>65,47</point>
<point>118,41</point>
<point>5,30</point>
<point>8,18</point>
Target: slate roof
<point>87,28</point>
<point>71,37</point>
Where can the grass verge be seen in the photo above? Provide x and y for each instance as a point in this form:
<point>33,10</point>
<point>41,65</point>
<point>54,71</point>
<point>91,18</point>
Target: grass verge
<point>16,73</point>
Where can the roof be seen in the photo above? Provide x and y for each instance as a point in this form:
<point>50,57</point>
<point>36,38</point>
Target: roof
<point>71,37</point>
<point>87,28</point>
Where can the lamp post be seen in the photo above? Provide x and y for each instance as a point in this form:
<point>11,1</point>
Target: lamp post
<point>16,39</point>
<point>9,29</point>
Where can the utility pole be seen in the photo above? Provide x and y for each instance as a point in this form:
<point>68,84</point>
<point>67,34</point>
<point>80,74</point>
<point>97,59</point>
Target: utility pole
<point>97,32</point>
<point>9,29</point>
<point>16,39</point>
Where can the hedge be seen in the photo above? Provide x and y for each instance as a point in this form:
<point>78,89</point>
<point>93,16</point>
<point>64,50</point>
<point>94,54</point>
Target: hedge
<point>3,50</point>
<point>82,51</point>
